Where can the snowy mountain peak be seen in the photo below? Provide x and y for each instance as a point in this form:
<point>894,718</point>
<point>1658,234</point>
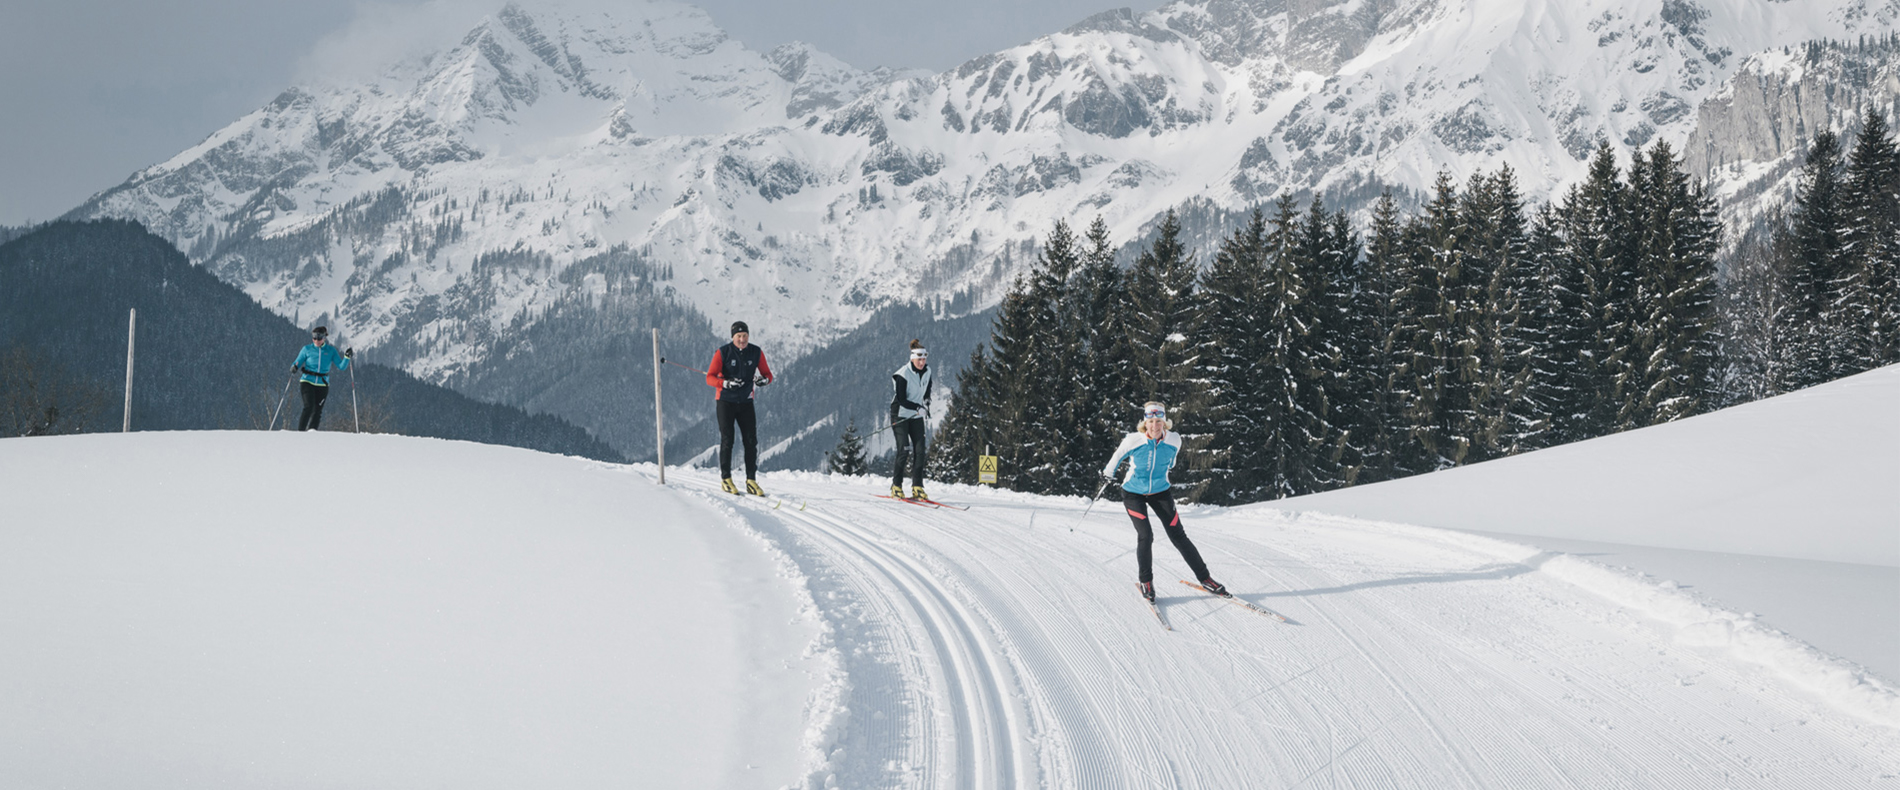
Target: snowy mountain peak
<point>794,188</point>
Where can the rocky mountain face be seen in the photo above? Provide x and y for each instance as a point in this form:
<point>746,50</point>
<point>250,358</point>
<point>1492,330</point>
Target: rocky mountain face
<point>1751,136</point>
<point>511,214</point>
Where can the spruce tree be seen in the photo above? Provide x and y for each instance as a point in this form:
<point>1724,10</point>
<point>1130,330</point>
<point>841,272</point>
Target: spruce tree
<point>1233,367</point>
<point>848,457</point>
<point>1811,329</point>
<point>1101,296</point>
<point>1163,346</point>
<point>1869,302</point>
<point>1371,356</point>
<point>1599,276</point>
<point>1496,279</point>
<point>1676,335</point>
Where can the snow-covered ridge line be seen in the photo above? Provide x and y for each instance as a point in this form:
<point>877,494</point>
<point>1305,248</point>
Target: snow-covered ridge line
<point>1842,684</point>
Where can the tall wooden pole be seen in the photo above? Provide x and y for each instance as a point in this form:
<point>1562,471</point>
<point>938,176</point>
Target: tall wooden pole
<point>131,337</point>
<point>659,428</point>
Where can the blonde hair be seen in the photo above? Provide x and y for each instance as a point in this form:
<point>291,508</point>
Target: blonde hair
<point>1142,424</point>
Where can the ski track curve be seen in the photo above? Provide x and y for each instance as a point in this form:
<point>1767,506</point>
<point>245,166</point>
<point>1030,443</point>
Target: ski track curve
<point>1410,661</point>
<point>973,687</point>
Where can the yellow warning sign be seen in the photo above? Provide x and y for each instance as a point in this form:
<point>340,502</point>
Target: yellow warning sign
<point>986,469</point>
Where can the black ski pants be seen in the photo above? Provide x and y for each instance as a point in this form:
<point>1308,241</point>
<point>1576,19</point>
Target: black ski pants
<point>1163,504</point>
<point>909,432</point>
<point>313,397</point>
<point>740,413</point>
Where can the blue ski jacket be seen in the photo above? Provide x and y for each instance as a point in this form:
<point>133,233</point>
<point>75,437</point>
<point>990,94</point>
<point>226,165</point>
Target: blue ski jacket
<point>318,363</point>
<point>1148,462</point>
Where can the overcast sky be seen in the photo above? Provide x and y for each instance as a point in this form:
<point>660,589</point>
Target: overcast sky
<point>93,90</point>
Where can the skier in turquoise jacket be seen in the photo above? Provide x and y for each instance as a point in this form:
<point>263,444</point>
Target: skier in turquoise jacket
<point>316,362</point>
<point>1151,451</point>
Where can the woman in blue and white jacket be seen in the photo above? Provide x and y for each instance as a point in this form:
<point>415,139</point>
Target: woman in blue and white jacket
<point>1150,452</point>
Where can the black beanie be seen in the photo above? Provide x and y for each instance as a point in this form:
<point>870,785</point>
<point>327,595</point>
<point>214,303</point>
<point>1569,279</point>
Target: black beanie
<point>739,326</point>
<point>319,331</point>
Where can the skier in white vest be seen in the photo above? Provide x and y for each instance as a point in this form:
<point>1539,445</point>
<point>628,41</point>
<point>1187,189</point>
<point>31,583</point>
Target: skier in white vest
<point>910,408</point>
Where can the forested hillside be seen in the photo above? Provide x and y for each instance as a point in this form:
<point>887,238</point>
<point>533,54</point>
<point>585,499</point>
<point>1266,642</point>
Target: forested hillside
<point>208,356</point>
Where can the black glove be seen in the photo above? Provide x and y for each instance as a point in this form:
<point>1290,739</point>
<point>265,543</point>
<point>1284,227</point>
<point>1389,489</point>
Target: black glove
<point>730,383</point>
<point>349,352</point>
<point>762,381</point>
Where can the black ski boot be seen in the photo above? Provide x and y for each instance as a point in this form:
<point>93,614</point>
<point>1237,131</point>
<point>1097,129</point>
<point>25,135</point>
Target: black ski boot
<point>1147,590</point>
<point>1215,587</point>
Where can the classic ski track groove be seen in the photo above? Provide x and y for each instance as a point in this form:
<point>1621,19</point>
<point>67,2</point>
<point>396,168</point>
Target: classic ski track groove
<point>1408,650</point>
<point>986,738</point>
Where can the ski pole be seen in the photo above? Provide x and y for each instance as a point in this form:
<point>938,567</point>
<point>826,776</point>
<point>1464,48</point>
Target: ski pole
<point>1085,511</point>
<point>280,403</point>
<point>357,415</point>
<point>680,366</point>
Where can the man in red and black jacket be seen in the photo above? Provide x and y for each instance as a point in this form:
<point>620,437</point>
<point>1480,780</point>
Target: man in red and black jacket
<point>736,368</point>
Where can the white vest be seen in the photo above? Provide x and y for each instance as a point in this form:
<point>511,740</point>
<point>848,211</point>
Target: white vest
<point>916,388</point>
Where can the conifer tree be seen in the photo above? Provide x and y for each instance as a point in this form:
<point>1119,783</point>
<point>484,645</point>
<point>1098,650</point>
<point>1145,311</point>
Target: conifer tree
<point>1599,275</point>
<point>1371,354</point>
<point>1233,315</point>
<point>1101,296</point>
<point>1812,330</point>
<point>1496,278</point>
<point>848,457</point>
<point>1675,335</point>
<point>1869,302</point>
<point>1163,346</point>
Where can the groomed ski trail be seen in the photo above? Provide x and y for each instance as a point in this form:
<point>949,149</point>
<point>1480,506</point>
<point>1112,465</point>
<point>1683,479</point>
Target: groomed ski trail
<point>1412,660</point>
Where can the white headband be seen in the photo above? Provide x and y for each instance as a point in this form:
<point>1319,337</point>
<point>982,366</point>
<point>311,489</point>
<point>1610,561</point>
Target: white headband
<point>918,353</point>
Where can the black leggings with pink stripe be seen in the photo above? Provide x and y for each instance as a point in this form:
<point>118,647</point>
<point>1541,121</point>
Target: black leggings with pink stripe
<point>1163,504</point>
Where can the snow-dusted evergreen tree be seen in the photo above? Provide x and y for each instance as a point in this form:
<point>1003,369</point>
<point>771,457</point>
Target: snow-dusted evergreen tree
<point>1164,338</point>
<point>1675,334</point>
<point>1099,288</point>
<point>1497,274</point>
<point>1599,278</point>
<point>1541,308</point>
<point>848,457</point>
<point>1327,252</point>
<point>1234,367</point>
<point>969,425</point>
<point>1371,353</point>
<point>1869,302</point>
<point>1754,300</point>
<point>1059,416</point>
<point>1813,330</point>
<point>1436,348</point>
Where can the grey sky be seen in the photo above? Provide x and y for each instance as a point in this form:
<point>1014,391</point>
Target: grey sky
<point>93,90</point>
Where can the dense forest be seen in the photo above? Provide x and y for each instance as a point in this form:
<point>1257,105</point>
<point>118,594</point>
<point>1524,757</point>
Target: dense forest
<point>209,357</point>
<point>1310,355</point>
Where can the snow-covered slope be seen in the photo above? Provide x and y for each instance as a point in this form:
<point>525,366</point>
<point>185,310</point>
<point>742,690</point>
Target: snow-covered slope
<point>327,610</point>
<point>1813,474</point>
<point>801,193</point>
<point>295,610</point>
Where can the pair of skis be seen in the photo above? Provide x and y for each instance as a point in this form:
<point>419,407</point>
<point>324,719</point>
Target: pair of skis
<point>1230,597</point>
<point>932,503</point>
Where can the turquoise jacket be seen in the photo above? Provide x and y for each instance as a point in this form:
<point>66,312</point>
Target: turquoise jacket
<point>318,363</point>
<point>1148,462</point>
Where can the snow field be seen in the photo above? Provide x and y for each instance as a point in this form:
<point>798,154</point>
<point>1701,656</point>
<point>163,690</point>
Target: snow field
<point>1417,657</point>
<point>302,610</point>
<point>322,610</point>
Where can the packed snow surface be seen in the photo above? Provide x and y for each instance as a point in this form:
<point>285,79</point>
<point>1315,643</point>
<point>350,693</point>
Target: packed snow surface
<point>297,610</point>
